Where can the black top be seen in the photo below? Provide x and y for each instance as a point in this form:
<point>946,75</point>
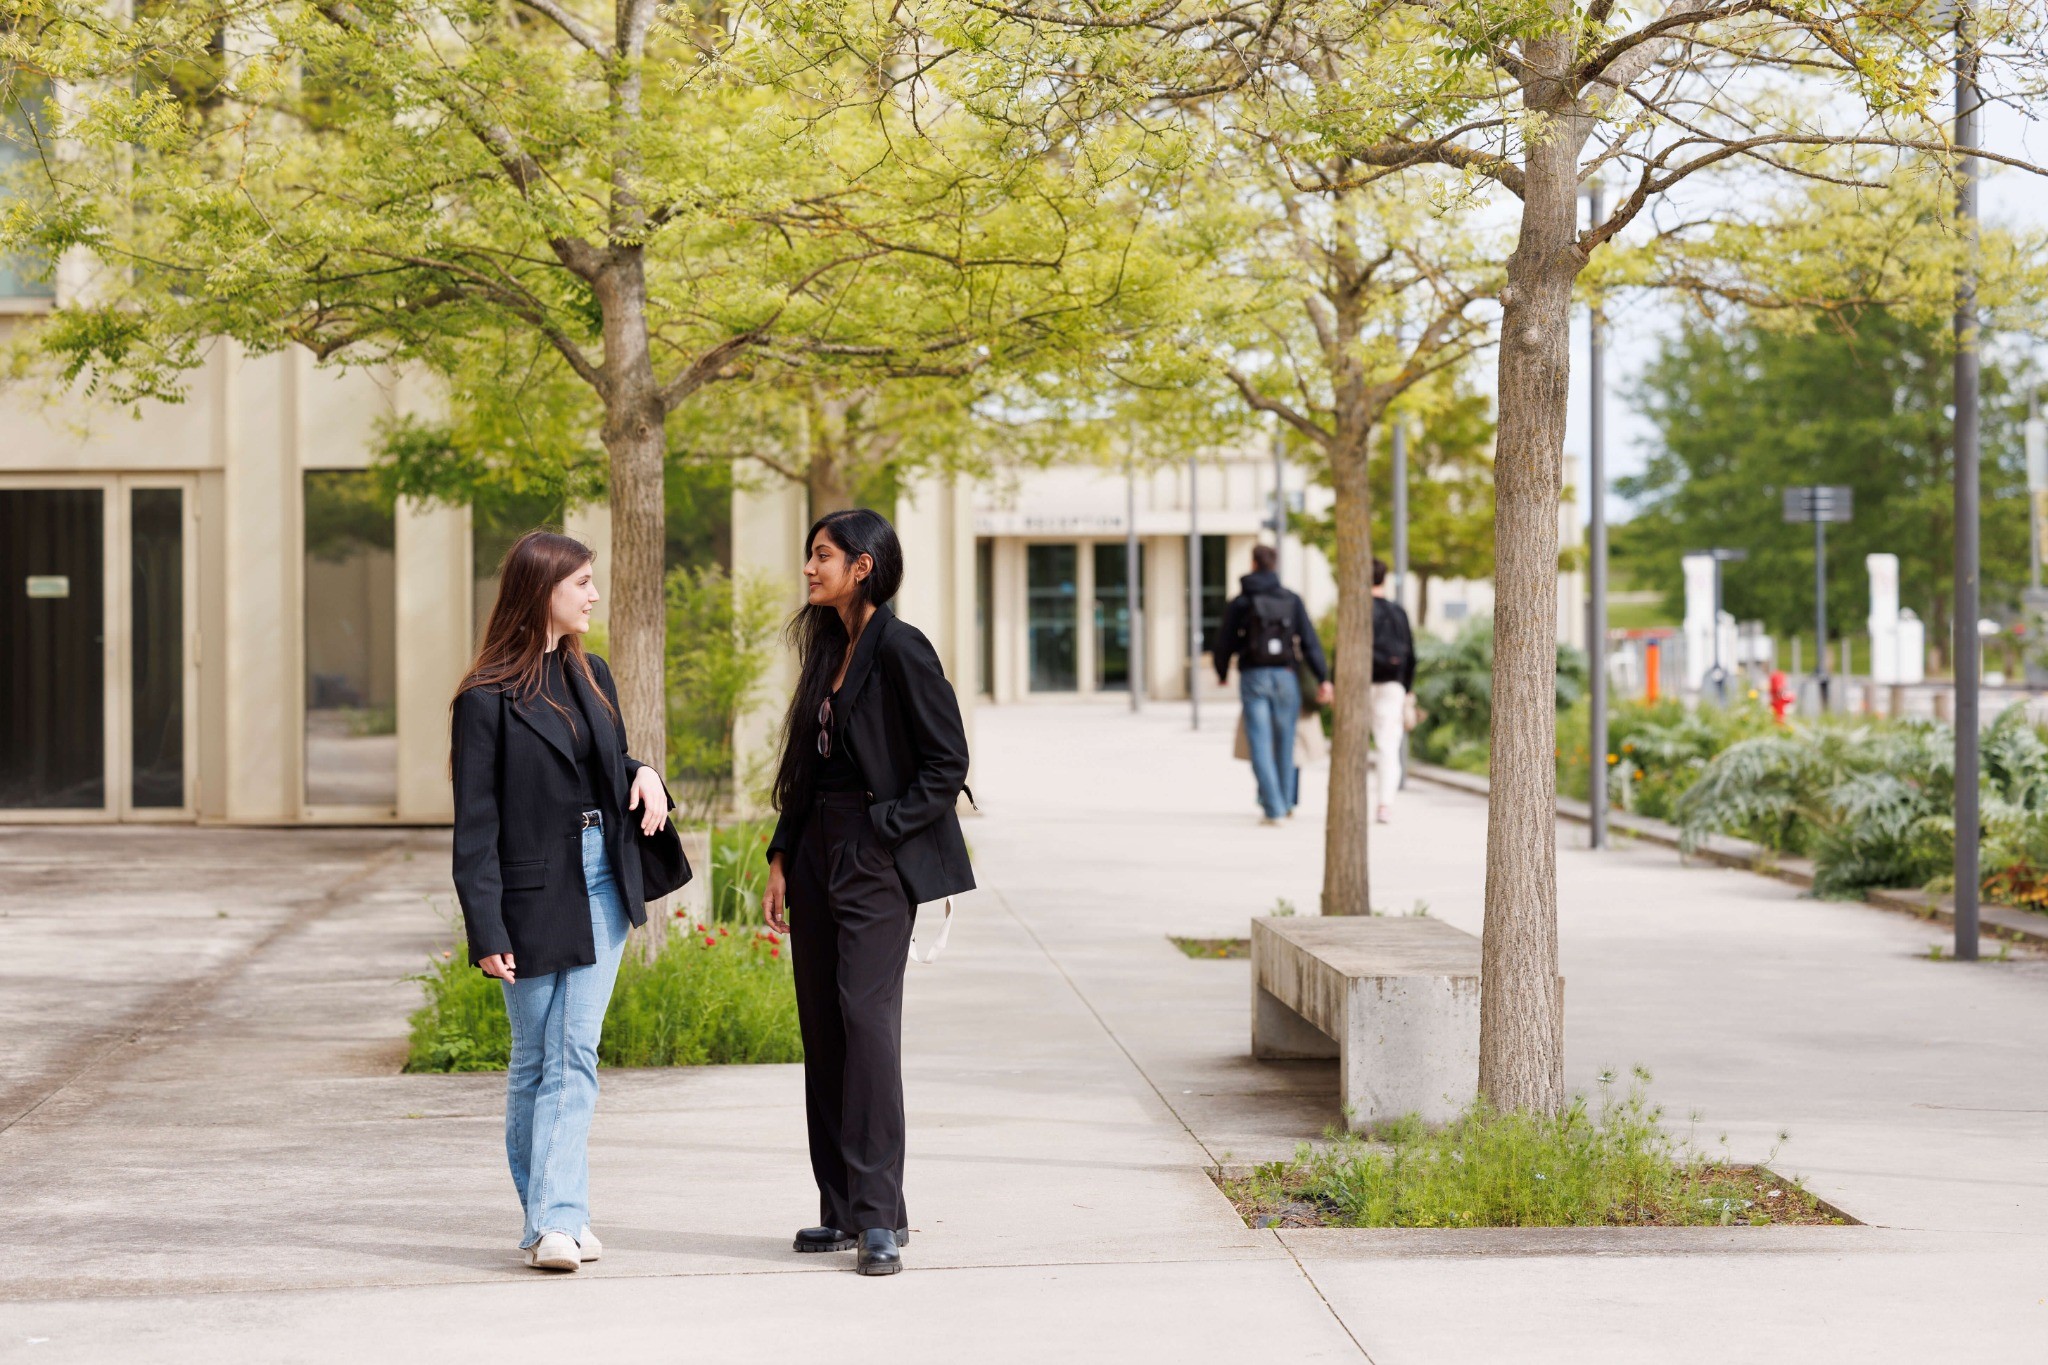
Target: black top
<point>838,772</point>
<point>1233,640</point>
<point>555,683</point>
<point>518,854</point>
<point>903,733</point>
<point>1393,644</point>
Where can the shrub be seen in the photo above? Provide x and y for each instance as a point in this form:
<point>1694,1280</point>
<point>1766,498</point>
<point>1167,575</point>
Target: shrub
<point>1454,689</point>
<point>713,995</point>
<point>739,871</point>
<point>1874,803</point>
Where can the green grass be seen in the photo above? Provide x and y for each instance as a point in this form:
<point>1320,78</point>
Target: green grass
<point>739,871</point>
<point>1214,947</point>
<point>713,996</point>
<point>1577,1169</point>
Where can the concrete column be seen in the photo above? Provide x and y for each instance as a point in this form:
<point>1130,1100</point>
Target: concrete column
<point>1010,622</point>
<point>434,613</point>
<point>261,548</point>
<point>1166,617</point>
<point>592,524</point>
<point>768,525</point>
<point>935,523</point>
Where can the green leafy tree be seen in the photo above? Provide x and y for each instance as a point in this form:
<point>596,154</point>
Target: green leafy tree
<point>1746,411</point>
<point>606,209</point>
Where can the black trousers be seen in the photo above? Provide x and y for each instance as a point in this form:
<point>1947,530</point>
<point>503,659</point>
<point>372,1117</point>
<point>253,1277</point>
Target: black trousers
<point>849,930</point>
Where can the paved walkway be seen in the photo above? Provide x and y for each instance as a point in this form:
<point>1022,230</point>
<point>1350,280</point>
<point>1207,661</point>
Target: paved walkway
<point>208,1154</point>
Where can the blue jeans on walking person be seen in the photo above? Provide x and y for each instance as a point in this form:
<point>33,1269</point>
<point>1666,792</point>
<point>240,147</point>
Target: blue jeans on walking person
<point>551,1083</point>
<point>1272,704</point>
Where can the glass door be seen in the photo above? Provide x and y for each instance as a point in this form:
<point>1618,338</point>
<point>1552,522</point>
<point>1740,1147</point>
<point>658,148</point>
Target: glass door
<point>53,673</point>
<point>1052,592</point>
<point>1113,614</point>
<point>159,665</point>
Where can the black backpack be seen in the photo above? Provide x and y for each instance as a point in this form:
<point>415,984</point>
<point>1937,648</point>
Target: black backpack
<point>1390,642</point>
<point>1269,634</point>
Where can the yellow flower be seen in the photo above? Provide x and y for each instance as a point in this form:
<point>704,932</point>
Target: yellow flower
<point>1613,758</point>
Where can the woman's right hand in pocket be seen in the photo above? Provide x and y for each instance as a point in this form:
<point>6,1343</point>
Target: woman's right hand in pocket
<point>498,965</point>
<point>774,907</point>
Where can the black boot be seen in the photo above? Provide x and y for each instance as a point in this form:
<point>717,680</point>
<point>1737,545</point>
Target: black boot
<point>878,1253</point>
<point>832,1239</point>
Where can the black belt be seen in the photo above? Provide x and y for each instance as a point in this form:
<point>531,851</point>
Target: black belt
<point>593,818</point>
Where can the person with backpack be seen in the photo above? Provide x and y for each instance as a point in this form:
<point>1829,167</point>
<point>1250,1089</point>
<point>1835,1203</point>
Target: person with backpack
<point>1267,630</point>
<point>1393,681</point>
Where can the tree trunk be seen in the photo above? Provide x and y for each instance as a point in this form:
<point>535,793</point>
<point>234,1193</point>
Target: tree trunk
<point>637,447</point>
<point>1421,600</point>
<point>1521,1027</point>
<point>1347,886</point>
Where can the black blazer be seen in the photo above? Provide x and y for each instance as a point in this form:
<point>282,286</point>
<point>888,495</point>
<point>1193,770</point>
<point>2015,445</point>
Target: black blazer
<point>902,729</point>
<point>518,824</point>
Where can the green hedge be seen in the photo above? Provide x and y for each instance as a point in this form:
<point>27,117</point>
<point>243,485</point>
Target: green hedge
<point>716,994</point>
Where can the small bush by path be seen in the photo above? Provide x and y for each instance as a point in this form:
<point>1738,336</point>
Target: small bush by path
<point>1578,1169</point>
<point>714,995</point>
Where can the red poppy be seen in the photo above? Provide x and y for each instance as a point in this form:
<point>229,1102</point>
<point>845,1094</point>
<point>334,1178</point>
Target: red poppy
<point>710,942</point>
<point>775,952</point>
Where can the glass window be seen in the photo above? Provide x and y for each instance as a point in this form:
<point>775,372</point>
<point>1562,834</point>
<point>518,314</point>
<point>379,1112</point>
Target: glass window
<point>1216,592</point>
<point>22,144</point>
<point>1052,595</point>
<point>156,692</point>
<point>984,613</point>
<point>1113,615</point>
<point>351,642</point>
<point>53,731</point>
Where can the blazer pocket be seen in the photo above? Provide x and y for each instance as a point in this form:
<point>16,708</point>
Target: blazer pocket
<point>525,876</point>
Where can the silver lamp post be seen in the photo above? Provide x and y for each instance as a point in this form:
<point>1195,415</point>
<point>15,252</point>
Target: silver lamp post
<point>1596,554</point>
<point>1964,643</point>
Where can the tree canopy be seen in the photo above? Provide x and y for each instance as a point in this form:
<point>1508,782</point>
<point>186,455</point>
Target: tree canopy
<point>1745,411</point>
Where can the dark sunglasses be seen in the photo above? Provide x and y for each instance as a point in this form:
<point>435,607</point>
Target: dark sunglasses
<point>825,728</point>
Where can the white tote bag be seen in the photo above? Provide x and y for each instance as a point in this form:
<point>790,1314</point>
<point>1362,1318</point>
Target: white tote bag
<point>931,954</point>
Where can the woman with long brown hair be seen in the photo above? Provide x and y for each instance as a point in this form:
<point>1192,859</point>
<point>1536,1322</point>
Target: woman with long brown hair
<point>547,869</point>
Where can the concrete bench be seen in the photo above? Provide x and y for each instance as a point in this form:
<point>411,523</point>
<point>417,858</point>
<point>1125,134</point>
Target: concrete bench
<point>1396,1001</point>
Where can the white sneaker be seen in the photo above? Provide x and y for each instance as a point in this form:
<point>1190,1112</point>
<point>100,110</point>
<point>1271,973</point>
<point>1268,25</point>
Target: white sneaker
<point>588,1245</point>
<point>554,1251</point>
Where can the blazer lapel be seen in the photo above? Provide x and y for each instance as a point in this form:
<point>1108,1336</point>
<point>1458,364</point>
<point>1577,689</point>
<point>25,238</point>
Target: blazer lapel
<point>548,723</point>
<point>863,661</point>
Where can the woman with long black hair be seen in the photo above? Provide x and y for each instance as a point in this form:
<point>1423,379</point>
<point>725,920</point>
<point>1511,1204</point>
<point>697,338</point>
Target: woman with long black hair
<point>874,757</point>
<point>548,869</point>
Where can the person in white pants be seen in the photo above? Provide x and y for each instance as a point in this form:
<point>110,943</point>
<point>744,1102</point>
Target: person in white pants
<point>1393,679</point>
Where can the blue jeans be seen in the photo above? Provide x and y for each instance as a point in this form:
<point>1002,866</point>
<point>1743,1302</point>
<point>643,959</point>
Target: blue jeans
<point>1272,703</point>
<point>551,1083</point>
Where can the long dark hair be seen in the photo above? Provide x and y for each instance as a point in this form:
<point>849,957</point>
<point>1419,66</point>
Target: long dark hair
<point>819,636</point>
<point>513,655</point>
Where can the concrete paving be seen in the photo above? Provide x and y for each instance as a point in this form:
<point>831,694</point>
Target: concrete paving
<point>208,1152</point>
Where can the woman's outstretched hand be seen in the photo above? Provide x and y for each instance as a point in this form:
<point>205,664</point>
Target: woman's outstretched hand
<point>773,908</point>
<point>498,965</point>
<point>650,798</point>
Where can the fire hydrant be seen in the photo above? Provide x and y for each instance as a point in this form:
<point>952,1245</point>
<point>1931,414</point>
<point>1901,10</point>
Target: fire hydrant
<point>1781,695</point>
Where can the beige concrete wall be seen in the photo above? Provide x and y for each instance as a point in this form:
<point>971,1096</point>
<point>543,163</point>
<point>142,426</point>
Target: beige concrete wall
<point>934,520</point>
<point>261,732</point>
<point>768,525</point>
<point>433,630</point>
